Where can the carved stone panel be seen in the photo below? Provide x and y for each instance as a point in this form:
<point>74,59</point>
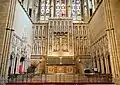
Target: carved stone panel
<point>60,37</point>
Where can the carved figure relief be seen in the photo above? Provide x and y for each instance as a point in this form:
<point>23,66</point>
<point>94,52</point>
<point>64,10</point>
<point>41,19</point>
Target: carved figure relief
<point>60,35</point>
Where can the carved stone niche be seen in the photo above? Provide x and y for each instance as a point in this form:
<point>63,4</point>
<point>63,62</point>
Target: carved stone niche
<point>60,37</point>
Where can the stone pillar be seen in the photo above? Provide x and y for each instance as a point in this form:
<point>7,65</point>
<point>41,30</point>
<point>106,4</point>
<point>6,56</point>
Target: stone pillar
<point>7,14</point>
<point>107,65</point>
<point>4,7</point>
<point>101,57</point>
<point>97,59</point>
<point>111,33</point>
<point>102,65</point>
<point>98,65</point>
<point>105,51</point>
<point>94,63</point>
<point>12,13</point>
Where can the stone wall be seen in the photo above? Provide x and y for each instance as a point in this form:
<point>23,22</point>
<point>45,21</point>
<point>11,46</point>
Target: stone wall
<point>4,6</point>
<point>5,32</point>
<point>115,9</point>
<point>97,24</point>
<point>115,15</point>
<point>10,21</point>
<point>99,40</point>
<point>106,21</point>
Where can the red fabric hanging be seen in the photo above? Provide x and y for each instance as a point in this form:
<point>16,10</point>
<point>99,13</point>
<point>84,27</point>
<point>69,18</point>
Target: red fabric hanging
<point>20,68</point>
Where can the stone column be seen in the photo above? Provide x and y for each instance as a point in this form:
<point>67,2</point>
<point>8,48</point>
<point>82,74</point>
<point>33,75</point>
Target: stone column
<point>101,57</point>
<point>114,54</point>
<point>4,8</point>
<point>107,65</point>
<point>102,65</point>
<point>97,59</point>
<point>105,51</point>
<point>12,13</point>
<point>7,14</point>
<point>93,63</point>
<point>98,66</point>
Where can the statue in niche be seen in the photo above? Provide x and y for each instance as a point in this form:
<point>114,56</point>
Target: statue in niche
<point>64,43</point>
<point>56,43</point>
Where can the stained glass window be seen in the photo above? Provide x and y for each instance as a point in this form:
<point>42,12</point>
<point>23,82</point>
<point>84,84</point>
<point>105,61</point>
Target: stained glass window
<point>45,9</point>
<point>75,9</point>
<point>60,8</point>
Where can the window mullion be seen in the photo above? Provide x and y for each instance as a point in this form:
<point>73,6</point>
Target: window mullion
<point>45,11</point>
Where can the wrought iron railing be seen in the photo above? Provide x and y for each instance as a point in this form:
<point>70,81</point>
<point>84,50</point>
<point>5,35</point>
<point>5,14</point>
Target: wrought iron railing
<point>60,78</point>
